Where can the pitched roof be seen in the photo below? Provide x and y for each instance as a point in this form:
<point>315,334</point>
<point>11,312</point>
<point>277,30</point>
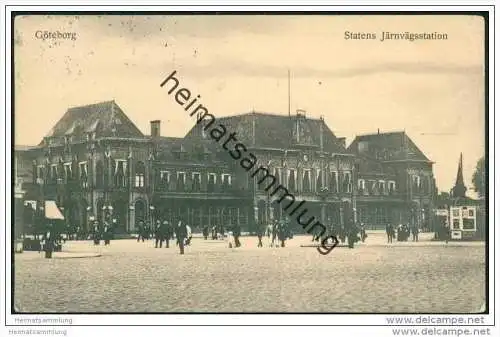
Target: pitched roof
<point>107,119</point>
<point>267,130</point>
<point>387,146</point>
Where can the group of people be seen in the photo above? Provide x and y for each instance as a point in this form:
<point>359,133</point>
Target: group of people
<point>51,240</point>
<point>102,231</point>
<point>402,232</point>
<point>276,232</point>
<point>164,231</point>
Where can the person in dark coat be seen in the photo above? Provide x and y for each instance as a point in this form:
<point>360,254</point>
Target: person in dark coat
<point>96,233</point>
<point>237,234</point>
<point>414,233</point>
<point>106,233</point>
<point>140,231</point>
<point>362,232</point>
<point>282,232</point>
<point>166,231</point>
<point>352,235</point>
<point>148,230</point>
<point>275,228</point>
<point>49,238</point>
<point>158,234</point>
<point>390,232</point>
<point>260,233</point>
<point>181,233</point>
<point>205,232</point>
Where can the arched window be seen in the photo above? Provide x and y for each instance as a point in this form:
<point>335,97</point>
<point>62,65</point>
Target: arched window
<point>140,172</point>
<point>99,174</point>
<point>306,181</point>
<point>277,175</point>
<point>333,182</point>
<point>119,173</point>
<point>291,181</point>
<point>319,184</point>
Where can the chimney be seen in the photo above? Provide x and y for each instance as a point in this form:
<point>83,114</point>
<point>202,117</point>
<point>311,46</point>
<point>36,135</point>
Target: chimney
<point>155,128</point>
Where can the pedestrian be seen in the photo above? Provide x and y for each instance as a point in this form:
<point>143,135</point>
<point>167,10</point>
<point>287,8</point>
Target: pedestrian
<point>275,227</point>
<point>165,230</point>
<point>140,230</point>
<point>158,234</point>
<point>390,232</point>
<point>189,236</point>
<point>96,233</point>
<point>106,233</point>
<point>414,233</point>
<point>214,233</point>
<point>362,232</point>
<point>49,239</point>
<point>237,234</point>
<point>181,234</point>
<point>260,233</point>
<point>205,232</point>
<point>282,232</point>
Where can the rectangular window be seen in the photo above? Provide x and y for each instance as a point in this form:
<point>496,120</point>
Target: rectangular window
<point>306,181</point>
<point>67,172</point>
<point>346,183</point>
<point>196,177</point>
<point>119,173</point>
<point>456,224</point>
<point>392,187</point>
<point>381,186</point>
<point>83,176</point>
<point>40,176</point>
<point>139,180</point>
<point>361,185</point>
<point>469,224</point>
<point>226,180</point>
<point>53,173</point>
<point>212,180</point>
<point>292,180</point>
<point>164,179</point>
<point>181,181</point>
<point>333,182</point>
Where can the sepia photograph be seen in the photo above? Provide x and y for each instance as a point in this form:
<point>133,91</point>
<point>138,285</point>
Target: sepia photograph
<point>250,163</point>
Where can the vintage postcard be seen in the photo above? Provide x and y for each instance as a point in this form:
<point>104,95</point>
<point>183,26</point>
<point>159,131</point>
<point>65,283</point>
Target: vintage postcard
<point>250,163</point>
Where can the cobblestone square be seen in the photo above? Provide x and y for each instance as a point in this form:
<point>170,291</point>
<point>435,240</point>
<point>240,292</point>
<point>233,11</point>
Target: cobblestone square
<point>135,277</point>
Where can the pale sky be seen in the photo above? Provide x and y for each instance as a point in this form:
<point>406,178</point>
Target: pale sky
<point>432,89</point>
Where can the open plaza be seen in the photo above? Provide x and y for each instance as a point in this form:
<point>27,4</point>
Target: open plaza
<point>375,277</point>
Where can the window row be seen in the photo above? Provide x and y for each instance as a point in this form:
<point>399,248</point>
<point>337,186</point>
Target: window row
<point>311,180</point>
<point>376,187</point>
<point>79,172</point>
<point>192,181</point>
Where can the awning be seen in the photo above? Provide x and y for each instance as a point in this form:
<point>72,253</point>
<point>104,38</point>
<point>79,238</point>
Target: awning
<point>51,211</point>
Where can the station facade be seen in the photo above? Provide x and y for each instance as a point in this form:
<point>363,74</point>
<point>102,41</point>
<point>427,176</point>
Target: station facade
<point>96,162</point>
